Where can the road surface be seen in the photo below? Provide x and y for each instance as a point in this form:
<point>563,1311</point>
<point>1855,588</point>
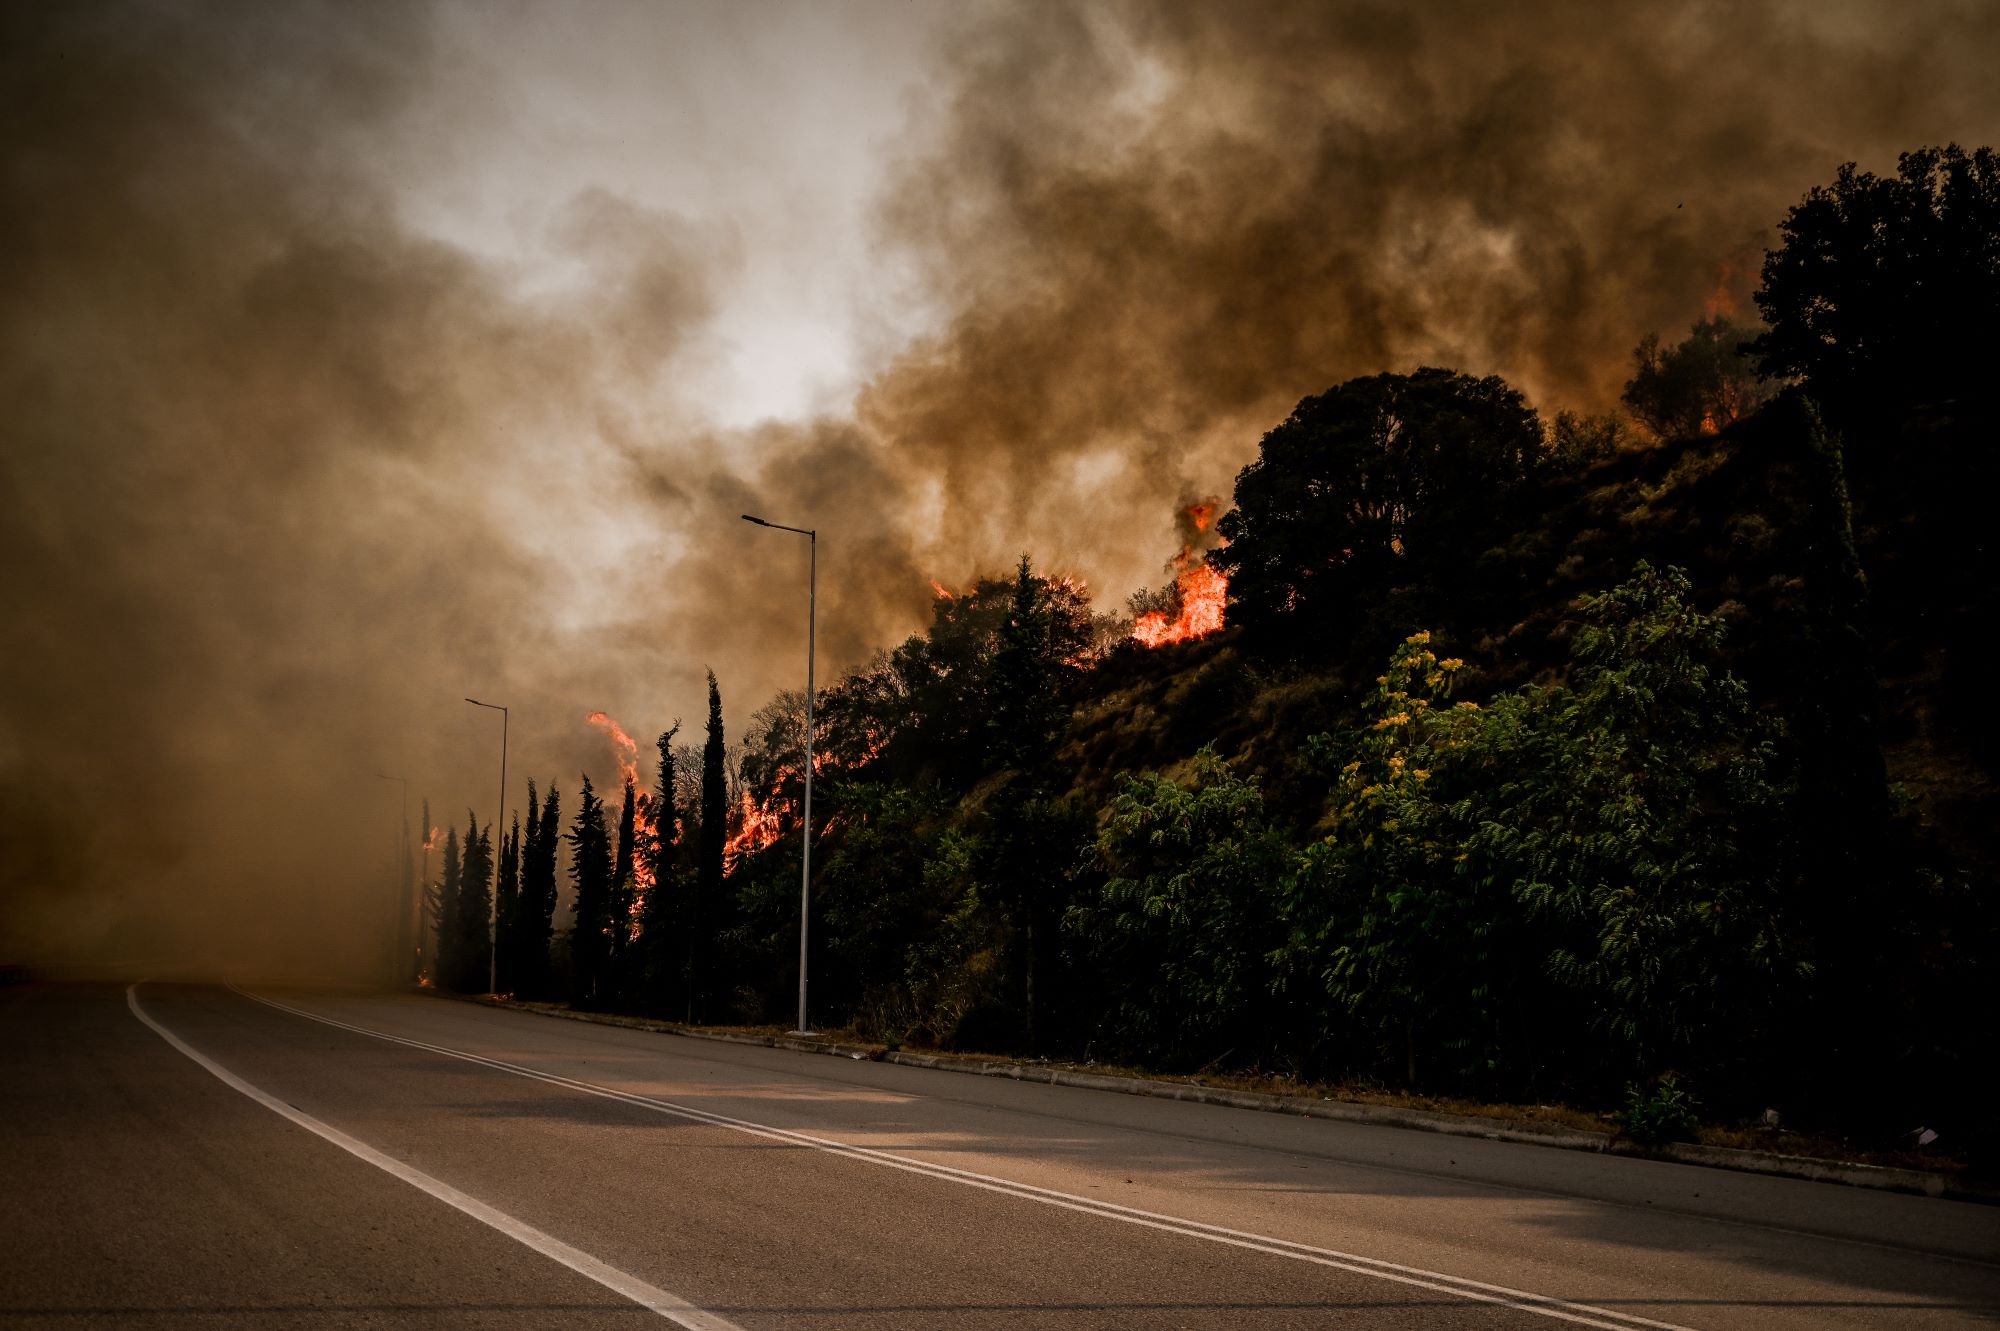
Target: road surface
<point>192,1156</point>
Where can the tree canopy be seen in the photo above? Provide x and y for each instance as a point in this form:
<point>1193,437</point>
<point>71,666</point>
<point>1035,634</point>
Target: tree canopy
<point>1697,386</point>
<point>1377,482</point>
<point>1887,288</point>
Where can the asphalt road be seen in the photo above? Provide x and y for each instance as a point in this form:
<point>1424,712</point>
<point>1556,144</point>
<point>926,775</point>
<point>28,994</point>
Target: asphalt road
<point>179,1155</point>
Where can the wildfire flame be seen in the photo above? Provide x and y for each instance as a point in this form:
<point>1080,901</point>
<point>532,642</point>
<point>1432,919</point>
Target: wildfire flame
<point>761,823</point>
<point>430,840</point>
<point>1733,276</point>
<point>627,753</point>
<point>1203,591</point>
<point>622,746</point>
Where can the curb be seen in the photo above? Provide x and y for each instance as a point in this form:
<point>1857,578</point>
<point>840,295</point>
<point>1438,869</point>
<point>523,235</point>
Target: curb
<point>1809,1168</point>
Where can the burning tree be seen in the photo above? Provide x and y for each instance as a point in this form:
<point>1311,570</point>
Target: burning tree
<point>1698,387</point>
<point>705,909</point>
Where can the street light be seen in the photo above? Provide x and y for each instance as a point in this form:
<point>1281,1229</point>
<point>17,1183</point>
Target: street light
<point>805,864</point>
<point>403,929</point>
<point>493,900</point>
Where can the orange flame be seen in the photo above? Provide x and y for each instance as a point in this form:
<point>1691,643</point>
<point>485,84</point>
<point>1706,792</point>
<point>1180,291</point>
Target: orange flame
<point>430,841</point>
<point>760,827</point>
<point>1204,592</point>
<point>621,743</point>
<point>1735,276</point>
<point>627,753</point>
<point>939,588</point>
<point>1204,598</point>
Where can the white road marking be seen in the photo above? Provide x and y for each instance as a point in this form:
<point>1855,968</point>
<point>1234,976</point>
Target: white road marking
<point>1543,1305</point>
<point>675,1310</point>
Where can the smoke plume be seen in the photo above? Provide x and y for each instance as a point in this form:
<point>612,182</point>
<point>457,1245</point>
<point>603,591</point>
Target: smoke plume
<point>287,474</point>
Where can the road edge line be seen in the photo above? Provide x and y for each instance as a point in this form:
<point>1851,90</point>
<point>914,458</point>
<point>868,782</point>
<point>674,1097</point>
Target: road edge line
<point>650,1297</point>
<point>1808,1169</point>
<point>1543,1305</point>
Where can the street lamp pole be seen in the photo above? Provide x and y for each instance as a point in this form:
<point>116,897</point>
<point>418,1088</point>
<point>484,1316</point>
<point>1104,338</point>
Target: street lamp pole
<point>493,898</point>
<point>806,830</point>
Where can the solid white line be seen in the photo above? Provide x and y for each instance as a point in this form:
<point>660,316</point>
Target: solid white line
<point>678,1311</point>
<point>1522,1300</point>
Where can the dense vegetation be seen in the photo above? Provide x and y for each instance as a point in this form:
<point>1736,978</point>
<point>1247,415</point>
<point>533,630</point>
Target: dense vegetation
<point>1540,758</point>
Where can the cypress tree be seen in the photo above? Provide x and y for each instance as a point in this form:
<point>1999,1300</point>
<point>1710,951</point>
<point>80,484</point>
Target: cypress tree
<point>444,971</point>
<point>590,873</point>
<point>666,813</point>
<point>538,888</point>
<point>507,901</point>
<point>430,908</point>
<point>1023,726</point>
<point>624,888</point>
<point>475,901</point>
<point>714,835</point>
<point>539,838</point>
<point>621,865</point>
<point>517,962</point>
<point>662,980</point>
<point>1026,714</point>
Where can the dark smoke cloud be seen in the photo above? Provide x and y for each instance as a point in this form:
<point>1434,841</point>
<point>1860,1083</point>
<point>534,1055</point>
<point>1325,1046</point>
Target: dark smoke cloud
<point>1160,225</point>
<point>284,477</point>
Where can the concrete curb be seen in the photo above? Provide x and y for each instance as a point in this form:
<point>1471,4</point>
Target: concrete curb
<point>1809,1168</point>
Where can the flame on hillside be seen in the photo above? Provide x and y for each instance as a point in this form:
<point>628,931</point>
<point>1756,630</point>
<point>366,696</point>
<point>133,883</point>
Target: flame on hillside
<point>1201,592</point>
<point>759,823</point>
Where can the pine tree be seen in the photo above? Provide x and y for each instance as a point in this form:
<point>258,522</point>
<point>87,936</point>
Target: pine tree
<point>590,872</point>
<point>475,901</point>
<point>707,904</point>
<point>449,934</point>
<point>508,905</point>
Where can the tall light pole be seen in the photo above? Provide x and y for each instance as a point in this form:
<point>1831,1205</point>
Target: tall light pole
<point>806,861</point>
<point>403,929</point>
<point>493,899</point>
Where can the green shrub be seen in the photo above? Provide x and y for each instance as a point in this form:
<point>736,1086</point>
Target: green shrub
<point>1664,1112</point>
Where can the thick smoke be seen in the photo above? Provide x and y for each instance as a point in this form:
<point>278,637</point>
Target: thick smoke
<point>285,477</point>
<point>1158,226</point>
<point>283,481</point>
